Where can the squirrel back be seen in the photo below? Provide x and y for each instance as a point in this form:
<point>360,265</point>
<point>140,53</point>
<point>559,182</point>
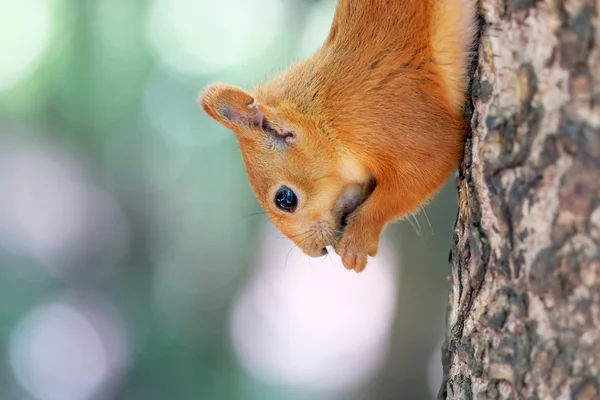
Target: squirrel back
<point>364,131</point>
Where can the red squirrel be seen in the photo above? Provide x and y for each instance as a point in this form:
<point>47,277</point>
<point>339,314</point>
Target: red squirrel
<point>363,132</point>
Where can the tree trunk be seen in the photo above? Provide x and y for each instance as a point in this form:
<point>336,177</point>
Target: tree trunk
<point>524,312</point>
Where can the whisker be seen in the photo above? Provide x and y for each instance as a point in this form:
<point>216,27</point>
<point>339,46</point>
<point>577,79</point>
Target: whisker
<point>427,218</point>
<point>295,245</point>
<point>410,221</point>
<point>300,234</point>
<point>418,225</point>
<point>315,237</point>
<point>288,255</point>
<point>420,232</point>
<point>251,215</point>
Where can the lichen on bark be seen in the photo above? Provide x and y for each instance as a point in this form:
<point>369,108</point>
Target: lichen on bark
<point>524,308</point>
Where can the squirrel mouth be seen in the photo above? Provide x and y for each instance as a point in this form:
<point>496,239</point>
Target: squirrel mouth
<point>344,219</point>
<point>350,200</point>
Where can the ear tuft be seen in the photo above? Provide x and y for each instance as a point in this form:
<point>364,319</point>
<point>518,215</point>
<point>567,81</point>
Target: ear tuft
<point>230,105</point>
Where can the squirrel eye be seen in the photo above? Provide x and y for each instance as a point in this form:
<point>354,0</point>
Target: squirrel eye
<point>286,200</point>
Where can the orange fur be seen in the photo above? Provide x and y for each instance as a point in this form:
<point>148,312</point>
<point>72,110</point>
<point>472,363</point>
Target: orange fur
<point>381,101</point>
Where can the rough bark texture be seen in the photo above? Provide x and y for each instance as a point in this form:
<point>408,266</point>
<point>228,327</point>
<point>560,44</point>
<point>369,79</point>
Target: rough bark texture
<point>524,313</point>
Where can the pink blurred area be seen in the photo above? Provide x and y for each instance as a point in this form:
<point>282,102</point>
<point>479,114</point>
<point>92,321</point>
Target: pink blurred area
<point>303,321</point>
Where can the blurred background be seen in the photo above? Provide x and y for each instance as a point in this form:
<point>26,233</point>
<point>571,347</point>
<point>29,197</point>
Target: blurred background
<point>134,260</point>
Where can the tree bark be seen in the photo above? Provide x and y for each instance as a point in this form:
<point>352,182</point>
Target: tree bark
<point>524,310</point>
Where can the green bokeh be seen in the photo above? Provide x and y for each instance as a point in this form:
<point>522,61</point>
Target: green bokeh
<point>101,92</point>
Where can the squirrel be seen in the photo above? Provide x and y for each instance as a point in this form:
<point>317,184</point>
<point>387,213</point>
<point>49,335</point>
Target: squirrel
<point>363,132</point>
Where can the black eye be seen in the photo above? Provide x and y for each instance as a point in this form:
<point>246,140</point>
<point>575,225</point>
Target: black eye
<point>286,199</point>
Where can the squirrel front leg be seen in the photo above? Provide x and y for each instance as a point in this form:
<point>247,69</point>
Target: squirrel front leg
<point>361,237</point>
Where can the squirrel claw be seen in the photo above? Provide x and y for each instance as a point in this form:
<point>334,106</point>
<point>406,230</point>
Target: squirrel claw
<point>354,261</point>
<point>354,255</point>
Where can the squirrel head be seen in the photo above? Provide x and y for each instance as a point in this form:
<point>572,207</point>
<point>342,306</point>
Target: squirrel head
<point>299,176</point>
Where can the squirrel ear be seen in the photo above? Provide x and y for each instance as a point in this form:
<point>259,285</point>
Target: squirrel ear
<point>230,105</point>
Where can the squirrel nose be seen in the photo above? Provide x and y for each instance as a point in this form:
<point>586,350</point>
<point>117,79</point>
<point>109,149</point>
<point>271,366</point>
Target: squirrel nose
<point>315,252</point>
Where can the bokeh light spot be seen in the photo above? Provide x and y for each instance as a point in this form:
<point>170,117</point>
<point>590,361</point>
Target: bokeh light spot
<point>26,28</point>
<point>304,321</point>
<point>52,213</point>
<point>63,350</point>
<point>199,37</point>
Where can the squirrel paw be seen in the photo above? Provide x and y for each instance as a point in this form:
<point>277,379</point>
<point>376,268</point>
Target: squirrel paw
<point>355,246</point>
